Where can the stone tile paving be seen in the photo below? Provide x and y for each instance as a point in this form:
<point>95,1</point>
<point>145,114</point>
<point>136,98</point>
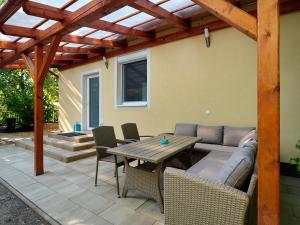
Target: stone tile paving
<point>66,192</point>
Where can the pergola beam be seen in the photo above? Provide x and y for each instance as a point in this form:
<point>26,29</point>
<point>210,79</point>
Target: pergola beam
<point>33,33</point>
<point>18,31</point>
<point>9,8</point>
<point>93,41</point>
<point>53,13</point>
<point>8,45</point>
<point>232,15</point>
<point>53,73</point>
<point>159,12</point>
<point>29,64</point>
<point>88,13</point>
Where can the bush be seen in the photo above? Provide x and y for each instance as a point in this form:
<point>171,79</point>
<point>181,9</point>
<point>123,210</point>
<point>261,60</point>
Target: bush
<point>17,95</point>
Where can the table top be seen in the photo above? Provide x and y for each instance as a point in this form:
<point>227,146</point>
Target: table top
<point>151,150</point>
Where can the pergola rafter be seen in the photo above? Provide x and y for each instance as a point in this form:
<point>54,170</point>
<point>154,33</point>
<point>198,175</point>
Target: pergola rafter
<point>158,12</point>
<point>49,12</point>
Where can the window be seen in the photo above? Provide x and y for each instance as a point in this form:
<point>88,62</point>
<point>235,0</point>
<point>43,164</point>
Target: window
<point>132,80</point>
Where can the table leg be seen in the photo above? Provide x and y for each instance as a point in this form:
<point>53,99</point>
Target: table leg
<point>147,181</point>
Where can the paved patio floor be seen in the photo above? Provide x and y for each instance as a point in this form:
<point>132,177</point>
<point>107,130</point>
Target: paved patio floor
<point>66,192</point>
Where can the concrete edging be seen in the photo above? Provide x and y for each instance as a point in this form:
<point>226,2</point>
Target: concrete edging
<point>33,206</point>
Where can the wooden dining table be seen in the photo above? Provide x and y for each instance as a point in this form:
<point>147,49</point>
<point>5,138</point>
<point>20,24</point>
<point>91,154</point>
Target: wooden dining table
<point>146,176</point>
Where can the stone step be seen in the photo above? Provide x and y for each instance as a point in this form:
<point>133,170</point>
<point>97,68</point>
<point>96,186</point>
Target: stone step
<point>57,153</point>
<point>68,145</point>
<point>87,137</point>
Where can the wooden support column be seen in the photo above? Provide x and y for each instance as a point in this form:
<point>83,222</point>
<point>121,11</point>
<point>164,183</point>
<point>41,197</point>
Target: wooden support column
<point>38,71</point>
<point>38,112</point>
<point>268,112</point>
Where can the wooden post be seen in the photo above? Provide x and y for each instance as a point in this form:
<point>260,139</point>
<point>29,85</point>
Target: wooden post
<point>38,112</point>
<point>38,71</point>
<point>268,113</point>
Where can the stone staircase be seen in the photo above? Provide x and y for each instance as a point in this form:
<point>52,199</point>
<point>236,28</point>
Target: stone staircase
<point>63,148</point>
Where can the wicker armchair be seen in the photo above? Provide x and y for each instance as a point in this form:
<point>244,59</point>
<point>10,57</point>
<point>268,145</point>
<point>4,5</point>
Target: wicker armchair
<point>131,133</point>
<point>191,200</point>
<point>105,138</point>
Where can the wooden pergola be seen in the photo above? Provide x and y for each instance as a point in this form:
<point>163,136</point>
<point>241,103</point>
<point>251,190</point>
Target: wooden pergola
<point>109,33</point>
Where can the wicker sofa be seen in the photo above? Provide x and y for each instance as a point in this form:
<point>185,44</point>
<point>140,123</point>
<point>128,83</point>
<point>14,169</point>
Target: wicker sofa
<point>196,196</point>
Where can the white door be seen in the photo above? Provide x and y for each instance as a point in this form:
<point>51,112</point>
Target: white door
<point>92,101</point>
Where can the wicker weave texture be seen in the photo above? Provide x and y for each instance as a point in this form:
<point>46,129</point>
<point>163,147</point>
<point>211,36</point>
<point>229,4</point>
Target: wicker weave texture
<point>190,200</point>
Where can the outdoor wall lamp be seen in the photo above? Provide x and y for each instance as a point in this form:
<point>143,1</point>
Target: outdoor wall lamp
<point>207,37</point>
<point>105,61</point>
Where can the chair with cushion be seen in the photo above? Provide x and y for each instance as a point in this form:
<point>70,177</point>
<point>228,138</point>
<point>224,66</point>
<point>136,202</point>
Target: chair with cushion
<point>131,133</point>
<point>105,138</point>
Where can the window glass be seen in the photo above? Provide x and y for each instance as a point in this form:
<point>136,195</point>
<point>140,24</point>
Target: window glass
<point>94,102</point>
<point>135,81</point>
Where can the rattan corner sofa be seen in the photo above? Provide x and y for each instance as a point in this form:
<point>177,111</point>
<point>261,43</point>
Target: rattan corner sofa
<point>197,196</point>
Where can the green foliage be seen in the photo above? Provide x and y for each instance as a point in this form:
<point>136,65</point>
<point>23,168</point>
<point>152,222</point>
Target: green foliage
<point>16,94</point>
<point>296,161</point>
<point>1,2</point>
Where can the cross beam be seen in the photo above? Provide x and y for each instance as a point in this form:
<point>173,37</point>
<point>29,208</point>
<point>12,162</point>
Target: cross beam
<point>88,13</point>
<point>53,13</point>
<point>232,15</point>
<point>159,12</point>
<point>9,8</point>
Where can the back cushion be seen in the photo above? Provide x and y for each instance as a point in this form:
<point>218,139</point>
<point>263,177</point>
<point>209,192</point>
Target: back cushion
<point>210,134</point>
<point>233,135</point>
<point>239,166</point>
<point>252,135</point>
<point>185,129</point>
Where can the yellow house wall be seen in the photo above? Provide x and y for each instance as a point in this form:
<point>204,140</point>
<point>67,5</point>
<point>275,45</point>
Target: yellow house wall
<point>186,79</point>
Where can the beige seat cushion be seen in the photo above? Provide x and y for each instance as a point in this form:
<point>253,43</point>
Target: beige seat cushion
<point>211,147</point>
<point>210,165</point>
<point>239,166</point>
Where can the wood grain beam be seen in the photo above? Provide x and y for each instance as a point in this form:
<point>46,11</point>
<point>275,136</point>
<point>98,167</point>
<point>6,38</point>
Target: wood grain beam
<point>38,112</point>
<point>8,45</point>
<point>29,64</point>
<point>49,12</point>
<point>88,13</point>
<point>34,33</point>
<point>49,56</point>
<point>151,43</point>
<point>44,11</point>
<point>93,41</point>
<point>118,29</point>
<point>14,66</point>
<point>80,50</point>
<point>268,112</point>
<point>159,12</point>
<point>9,8</point>
<point>53,73</point>
<point>232,15</point>
<point>18,31</point>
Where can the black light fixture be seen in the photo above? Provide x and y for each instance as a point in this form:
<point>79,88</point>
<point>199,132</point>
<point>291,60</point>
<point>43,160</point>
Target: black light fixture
<point>105,61</point>
<point>207,37</point>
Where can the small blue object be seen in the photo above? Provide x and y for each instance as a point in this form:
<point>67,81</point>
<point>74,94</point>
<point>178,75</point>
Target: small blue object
<point>164,141</point>
<point>77,126</point>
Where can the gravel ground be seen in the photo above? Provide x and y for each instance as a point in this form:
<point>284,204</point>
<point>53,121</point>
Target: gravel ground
<point>13,211</point>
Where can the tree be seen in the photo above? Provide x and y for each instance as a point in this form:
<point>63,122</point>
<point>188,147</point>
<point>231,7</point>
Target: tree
<point>17,96</point>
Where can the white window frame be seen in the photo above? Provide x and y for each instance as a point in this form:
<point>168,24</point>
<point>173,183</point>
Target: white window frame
<point>85,76</point>
<point>129,58</point>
